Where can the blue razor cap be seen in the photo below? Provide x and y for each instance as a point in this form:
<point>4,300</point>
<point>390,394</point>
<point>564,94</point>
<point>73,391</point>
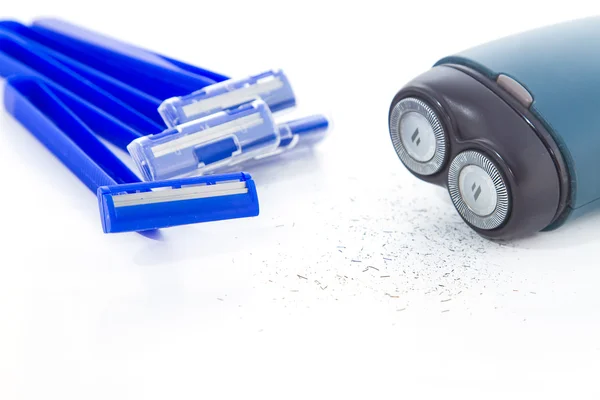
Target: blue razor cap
<point>218,140</point>
<point>151,205</point>
<point>272,87</point>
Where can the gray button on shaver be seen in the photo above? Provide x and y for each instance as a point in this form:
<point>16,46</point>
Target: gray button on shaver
<point>418,136</point>
<point>478,190</point>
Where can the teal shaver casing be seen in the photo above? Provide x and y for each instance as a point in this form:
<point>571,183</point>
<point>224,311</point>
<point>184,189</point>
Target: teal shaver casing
<point>511,128</point>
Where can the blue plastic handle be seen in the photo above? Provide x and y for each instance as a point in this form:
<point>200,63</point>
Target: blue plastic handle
<point>152,73</point>
<point>65,31</point>
<point>21,58</point>
<point>40,107</point>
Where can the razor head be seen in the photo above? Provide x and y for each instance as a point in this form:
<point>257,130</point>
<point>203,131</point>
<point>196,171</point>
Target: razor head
<point>204,145</point>
<point>478,190</point>
<point>456,128</point>
<point>418,136</point>
<point>273,87</point>
<point>153,205</point>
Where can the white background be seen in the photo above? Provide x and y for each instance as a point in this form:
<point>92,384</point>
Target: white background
<point>356,280</point>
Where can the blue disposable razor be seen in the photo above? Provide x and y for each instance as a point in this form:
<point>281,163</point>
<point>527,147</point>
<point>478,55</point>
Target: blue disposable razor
<point>199,114</point>
<point>180,87</point>
<point>510,128</point>
<point>68,126</point>
<point>220,140</point>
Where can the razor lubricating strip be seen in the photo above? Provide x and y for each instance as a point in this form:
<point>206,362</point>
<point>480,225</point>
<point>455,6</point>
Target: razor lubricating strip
<point>126,204</point>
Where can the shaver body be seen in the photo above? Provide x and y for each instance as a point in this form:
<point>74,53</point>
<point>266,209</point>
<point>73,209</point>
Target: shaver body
<point>511,128</point>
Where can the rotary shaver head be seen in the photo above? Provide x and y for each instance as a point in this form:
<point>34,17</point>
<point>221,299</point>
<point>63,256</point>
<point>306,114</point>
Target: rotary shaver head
<point>461,130</point>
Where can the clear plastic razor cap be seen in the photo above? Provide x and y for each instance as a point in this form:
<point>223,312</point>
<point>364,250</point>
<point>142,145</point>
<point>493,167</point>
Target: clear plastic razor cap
<point>272,87</point>
<point>213,142</point>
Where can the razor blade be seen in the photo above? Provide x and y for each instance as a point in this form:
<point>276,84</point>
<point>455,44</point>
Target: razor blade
<point>273,87</point>
<point>67,126</point>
